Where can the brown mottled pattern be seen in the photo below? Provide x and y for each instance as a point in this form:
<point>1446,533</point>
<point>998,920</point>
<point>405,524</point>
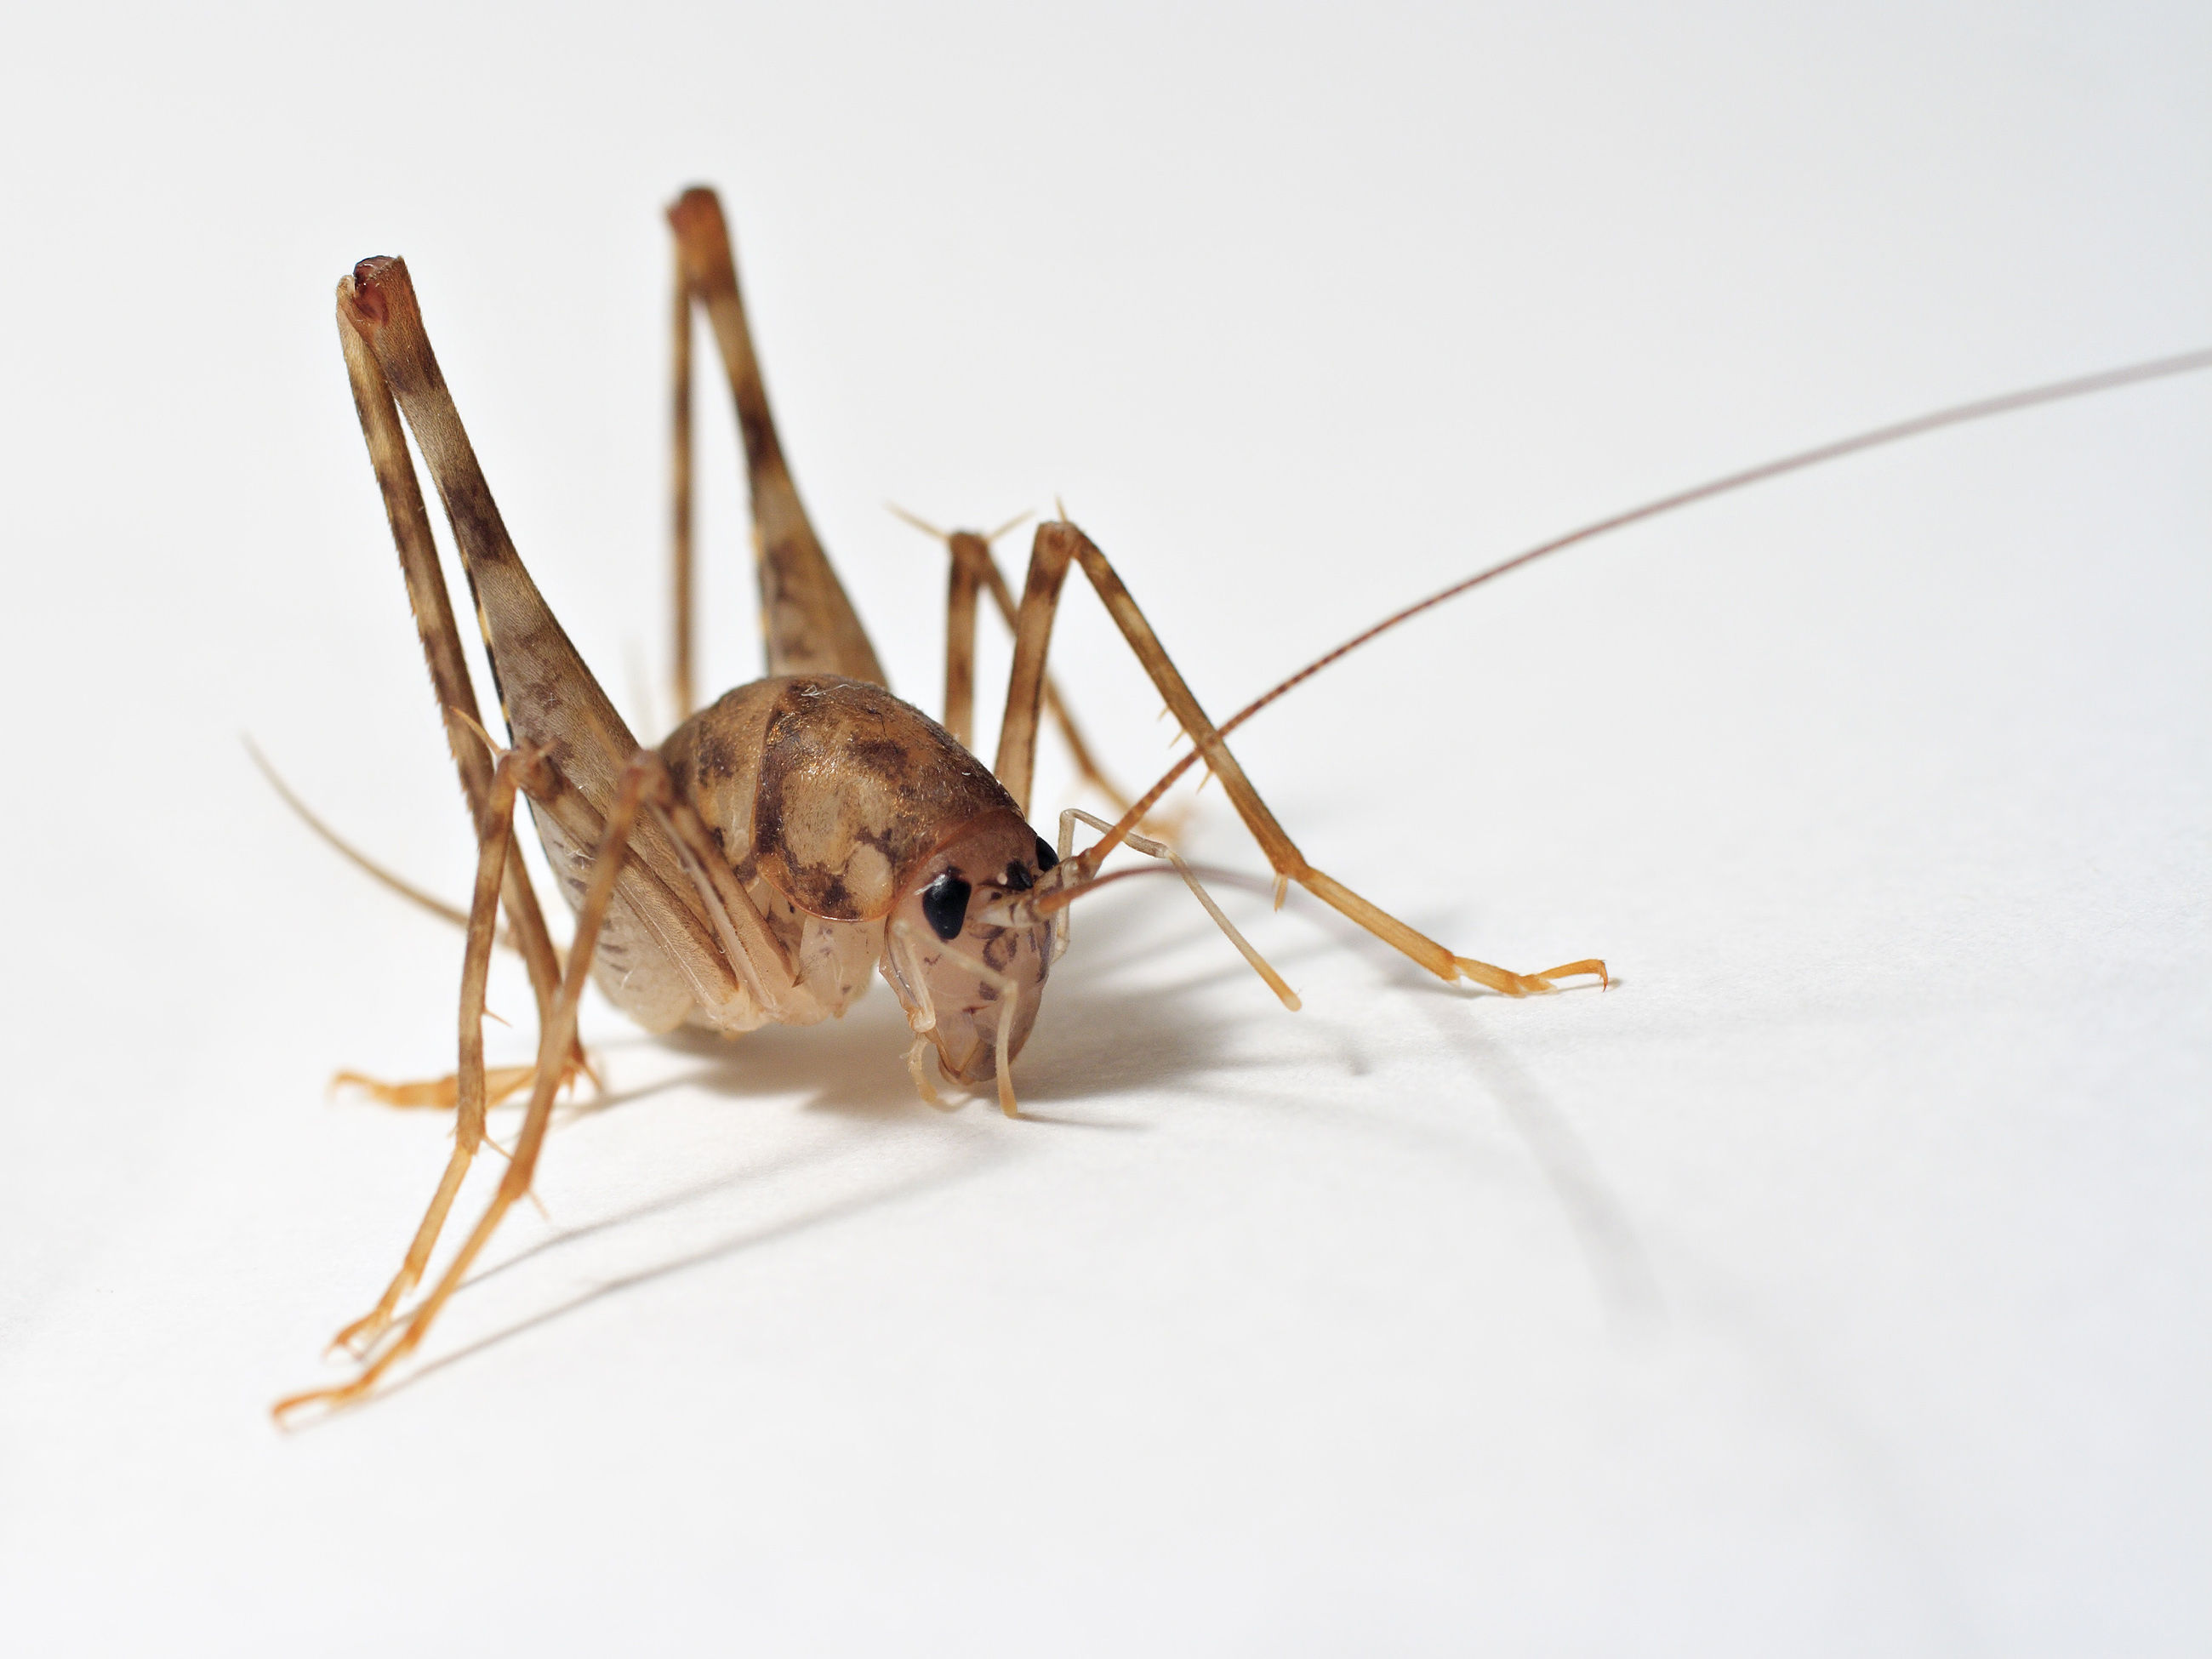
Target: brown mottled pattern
<point>855,790</point>
<point>435,627</point>
<point>807,623</point>
<point>714,760</point>
<point>548,695</point>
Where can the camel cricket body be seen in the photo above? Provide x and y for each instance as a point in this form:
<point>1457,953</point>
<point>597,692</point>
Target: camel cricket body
<point>809,829</point>
<point>805,831</point>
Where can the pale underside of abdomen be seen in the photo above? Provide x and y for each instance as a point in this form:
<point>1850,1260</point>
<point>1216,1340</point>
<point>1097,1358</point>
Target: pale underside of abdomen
<point>636,971</point>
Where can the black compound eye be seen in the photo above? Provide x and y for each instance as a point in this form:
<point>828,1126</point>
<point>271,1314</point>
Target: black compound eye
<point>945,903</point>
<point>1019,879</point>
<point>1046,857</point>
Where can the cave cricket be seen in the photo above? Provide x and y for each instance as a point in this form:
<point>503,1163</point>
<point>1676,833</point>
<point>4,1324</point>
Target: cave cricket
<point>809,831</point>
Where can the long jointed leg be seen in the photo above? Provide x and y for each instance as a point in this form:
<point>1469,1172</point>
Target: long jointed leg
<point>1086,765</point>
<point>493,857</point>
<point>808,623</point>
<point>961,582</point>
<point>555,1041</point>
<point>433,1094</point>
<point>1058,544</point>
<point>974,567</point>
<point>551,700</point>
<point>679,492</point>
<point>488,788</point>
<point>440,639</point>
<point>575,751</point>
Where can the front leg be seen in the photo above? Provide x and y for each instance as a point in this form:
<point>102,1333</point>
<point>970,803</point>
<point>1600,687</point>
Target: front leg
<point>1059,545</point>
<point>470,1095</point>
<point>555,1041</point>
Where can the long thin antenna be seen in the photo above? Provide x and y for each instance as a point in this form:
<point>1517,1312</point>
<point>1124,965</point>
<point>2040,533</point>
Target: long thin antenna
<point>2110,379</point>
<point>345,849</point>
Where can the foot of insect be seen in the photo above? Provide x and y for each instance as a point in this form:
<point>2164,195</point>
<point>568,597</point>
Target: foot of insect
<point>358,1341</point>
<point>442,1094</point>
<point>405,1335</point>
<point>1506,982</point>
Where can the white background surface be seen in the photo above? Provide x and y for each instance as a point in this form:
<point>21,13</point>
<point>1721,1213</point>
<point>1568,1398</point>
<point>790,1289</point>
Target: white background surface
<point>1837,1284</point>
